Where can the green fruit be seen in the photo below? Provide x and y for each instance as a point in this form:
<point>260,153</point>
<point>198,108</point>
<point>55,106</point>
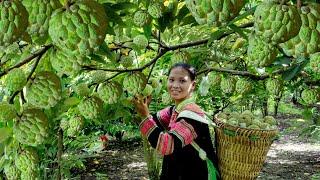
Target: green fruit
<point>67,62</point>
<point>154,83</point>
<point>141,41</point>
<point>40,12</point>
<point>308,40</point>
<point>315,62</point>
<point>32,128</point>
<point>11,172</point>
<point>214,12</point>
<point>110,92</point>
<point>13,22</point>
<point>81,27</point>
<point>214,79</point>
<point>166,98</point>
<point>260,53</point>
<point>7,112</point>
<point>243,86</point>
<point>245,119</point>
<point>91,107</point>
<point>254,126</point>
<point>270,120</point>
<point>248,113</point>
<point>310,96</point>
<point>141,18</point>
<point>76,124</point>
<point>274,86</point>
<point>15,80</point>
<point>228,84</point>
<point>45,90</point>
<point>147,91</point>
<point>275,22</point>
<point>180,57</point>
<point>126,61</point>
<point>81,89</point>
<point>64,124</point>
<point>27,162</point>
<point>135,83</point>
<point>155,9</point>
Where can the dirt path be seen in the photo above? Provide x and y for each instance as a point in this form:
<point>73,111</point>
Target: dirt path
<point>288,158</point>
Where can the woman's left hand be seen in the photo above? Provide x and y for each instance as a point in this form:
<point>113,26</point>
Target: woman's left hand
<point>142,105</point>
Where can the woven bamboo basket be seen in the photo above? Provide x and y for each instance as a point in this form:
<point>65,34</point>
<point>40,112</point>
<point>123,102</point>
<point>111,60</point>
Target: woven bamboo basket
<point>241,151</point>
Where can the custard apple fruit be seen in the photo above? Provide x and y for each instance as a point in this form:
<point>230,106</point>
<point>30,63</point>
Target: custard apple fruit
<point>45,90</point>
<point>32,127</point>
<point>81,27</point>
<point>110,92</point>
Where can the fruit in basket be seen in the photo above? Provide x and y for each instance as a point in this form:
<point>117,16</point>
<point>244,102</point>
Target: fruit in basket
<point>247,120</point>
<point>270,120</point>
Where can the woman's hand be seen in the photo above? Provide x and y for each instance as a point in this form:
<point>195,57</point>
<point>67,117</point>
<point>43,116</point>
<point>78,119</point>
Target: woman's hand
<point>142,105</point>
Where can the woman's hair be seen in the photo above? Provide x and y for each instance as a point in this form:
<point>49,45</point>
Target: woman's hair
<point>191,70</point>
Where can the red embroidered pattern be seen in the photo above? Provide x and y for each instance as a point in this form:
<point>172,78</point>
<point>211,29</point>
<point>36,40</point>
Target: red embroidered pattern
<point>165,144</point>
<point>184,131</point>
<point>164,117</point>
<point>147,126</point>
<point>195,108</point>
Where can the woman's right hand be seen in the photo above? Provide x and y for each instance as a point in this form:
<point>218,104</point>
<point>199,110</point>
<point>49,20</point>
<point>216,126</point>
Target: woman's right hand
<point>142,105</point>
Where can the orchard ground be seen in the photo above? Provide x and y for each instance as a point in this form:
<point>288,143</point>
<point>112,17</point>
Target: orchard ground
<point>290,157</point>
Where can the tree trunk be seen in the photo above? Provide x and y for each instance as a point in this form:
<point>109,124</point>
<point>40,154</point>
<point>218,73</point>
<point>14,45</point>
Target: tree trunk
<point>59,153</point>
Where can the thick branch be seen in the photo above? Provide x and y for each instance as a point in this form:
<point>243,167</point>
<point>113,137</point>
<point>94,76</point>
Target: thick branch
<point>243,73</point>
<point>27,60</point>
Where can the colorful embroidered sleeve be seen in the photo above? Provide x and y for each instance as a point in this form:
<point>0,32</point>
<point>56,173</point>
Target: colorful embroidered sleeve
<point>164,117</point>
<point>166,142</point>
<point>184,132</point>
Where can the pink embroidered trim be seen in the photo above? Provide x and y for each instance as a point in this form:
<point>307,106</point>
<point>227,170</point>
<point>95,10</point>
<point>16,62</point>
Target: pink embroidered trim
<point>164,117</point>
<point>147,126</point>
<point>184,131</point>
<point>165,144</point>
<point>195,108</point>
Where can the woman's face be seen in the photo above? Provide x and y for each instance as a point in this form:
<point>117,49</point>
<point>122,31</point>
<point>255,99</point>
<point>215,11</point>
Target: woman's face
<point>180,86</point>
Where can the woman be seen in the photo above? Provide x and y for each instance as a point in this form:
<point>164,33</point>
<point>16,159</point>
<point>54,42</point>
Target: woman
<point>174,131</point>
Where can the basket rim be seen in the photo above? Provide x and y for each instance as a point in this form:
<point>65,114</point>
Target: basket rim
<point>259,132</point>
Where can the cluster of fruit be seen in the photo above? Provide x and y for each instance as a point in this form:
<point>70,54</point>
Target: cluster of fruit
<point>246,119</point>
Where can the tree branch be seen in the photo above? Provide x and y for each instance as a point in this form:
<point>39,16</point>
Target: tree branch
<point>27,60</point>
<point>28,78</point>
<point>243,73</point>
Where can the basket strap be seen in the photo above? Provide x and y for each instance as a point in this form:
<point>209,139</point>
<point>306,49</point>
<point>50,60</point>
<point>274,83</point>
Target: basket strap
<point>212,171</point>
<point>192,115</point>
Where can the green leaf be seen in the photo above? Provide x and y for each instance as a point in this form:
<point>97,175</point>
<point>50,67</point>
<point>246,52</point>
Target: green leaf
<point>182,13</point>
<point>5,133</point>
<point>216,35</point>
<point>229,132</point>
<point>282,60</point>
<point>292,72</point>
<point>238,30</point>
<point>122,6</point>
<point>254,137</point>
<point>244,15</point>
<point>97,58</point>
<point>71,101</point>
<point>147,29</point>
<point>188,20</point>
<point>307,113</point>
